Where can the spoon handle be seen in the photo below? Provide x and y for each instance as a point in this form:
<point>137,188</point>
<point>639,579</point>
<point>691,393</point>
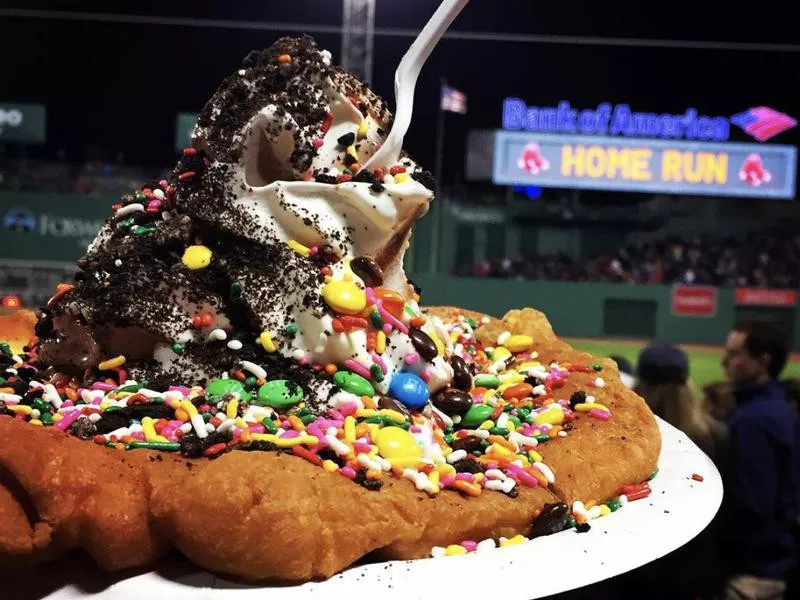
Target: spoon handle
<point>405,79</point>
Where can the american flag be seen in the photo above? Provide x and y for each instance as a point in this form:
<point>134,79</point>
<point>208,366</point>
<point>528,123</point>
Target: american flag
<point>453,100</point>
<point>763,122</point>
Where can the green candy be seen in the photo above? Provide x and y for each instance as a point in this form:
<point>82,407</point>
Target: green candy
<point>476,415</point>
<point>375,317</point>
<point>377,374</point>
<point>236,289</point>
<point>164,446</point>
<point>219,387</point>
<point>597,367</point>
<point>269,425</point>
<point>472,323</point>
<point>653,474</point>
<point>377,420</point>
<point>306,419</point>
<point>5,350</point>
<point>134,387</point>
<point>514,420</point>
<point>499,431</point>
<point>449,438</point>
<point>542,437</point>
<point>290,329</point>
<point>143,229</point>
<point>487,381</point>
<point>207,416</point>
<point>178,348</point>
<point>613,505</point>
<point>46,418</point>
<point>41,406</point>
<point>279,394</point>
<point>353,383</point>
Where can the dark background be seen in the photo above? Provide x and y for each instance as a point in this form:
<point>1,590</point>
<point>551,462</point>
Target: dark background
<point>115,87</point>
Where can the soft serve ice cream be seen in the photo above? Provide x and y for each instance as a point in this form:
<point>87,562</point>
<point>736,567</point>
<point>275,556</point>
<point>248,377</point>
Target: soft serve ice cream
<point>269,246</point>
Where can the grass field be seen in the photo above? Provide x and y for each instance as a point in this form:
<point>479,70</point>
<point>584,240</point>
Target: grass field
<point>704,361</point>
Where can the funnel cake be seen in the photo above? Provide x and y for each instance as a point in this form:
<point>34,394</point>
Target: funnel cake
<point>241,363</point>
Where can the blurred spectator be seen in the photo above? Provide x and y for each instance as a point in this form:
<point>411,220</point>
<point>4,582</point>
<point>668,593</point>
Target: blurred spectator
<point>758,536</point>
<point>626,372</point>
<point>663,381</point>
<point>767,259</point>
<point>718,400</point>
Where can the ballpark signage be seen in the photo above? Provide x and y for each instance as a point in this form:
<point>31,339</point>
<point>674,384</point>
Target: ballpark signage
<point>762,122</point>
<point>766,297</point>
<point>694,301</point>
<point>644,165</point>
<point>22,123</point>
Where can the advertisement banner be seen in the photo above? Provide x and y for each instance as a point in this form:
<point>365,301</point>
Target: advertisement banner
<point>22,123</point>
<point>694,301</point>
<point>644,165</point>
<point>52,228</point>
<point>766,297</point>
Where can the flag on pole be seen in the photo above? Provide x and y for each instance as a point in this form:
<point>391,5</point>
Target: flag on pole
<point>453,100</point>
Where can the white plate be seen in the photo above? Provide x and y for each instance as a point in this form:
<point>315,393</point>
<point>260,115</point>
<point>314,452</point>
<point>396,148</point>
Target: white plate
<point>678,509</point>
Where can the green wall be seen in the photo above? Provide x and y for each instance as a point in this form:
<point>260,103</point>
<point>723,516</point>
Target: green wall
<point>597,309</point>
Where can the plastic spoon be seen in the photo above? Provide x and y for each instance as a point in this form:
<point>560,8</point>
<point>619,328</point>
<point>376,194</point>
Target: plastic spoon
<point>405,80</point>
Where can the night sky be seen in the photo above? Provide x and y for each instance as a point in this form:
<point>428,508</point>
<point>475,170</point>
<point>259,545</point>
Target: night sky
<point>118,86</point>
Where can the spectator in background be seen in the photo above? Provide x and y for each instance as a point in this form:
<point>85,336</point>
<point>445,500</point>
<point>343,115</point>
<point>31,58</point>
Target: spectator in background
<point>626,372</point>
<point>762,472</point>
<point>663,381</point>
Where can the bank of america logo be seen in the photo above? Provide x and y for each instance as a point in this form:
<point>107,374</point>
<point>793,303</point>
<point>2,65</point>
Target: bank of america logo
<point>763,123</point>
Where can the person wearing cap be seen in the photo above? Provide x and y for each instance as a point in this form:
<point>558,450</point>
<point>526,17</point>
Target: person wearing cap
<point>662,373</point>
<point>759,533</point>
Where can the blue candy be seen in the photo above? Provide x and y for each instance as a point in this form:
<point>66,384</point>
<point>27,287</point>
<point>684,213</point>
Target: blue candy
<point>410,390</point>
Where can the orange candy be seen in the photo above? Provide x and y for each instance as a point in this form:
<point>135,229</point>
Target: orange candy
<point>518,390</point>
<point>392,301</point>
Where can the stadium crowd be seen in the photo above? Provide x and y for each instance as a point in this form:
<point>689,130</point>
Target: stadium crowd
<point>769,259</point>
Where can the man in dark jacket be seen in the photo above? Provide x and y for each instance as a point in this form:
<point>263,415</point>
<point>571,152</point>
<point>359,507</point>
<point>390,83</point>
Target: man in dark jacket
<point>762,472</point>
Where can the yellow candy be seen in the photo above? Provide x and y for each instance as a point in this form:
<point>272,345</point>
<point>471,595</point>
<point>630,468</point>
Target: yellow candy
<point>380,342</point>
<point>349,429</point>
<point>589,406</point>
<point>299,248</point>
<point>362,129</point>
<point>366,413</point>
<point>445,470</point>
<point>535,456</point>
<point>529,364</point>
<point>330,466</point>
<point>514,541</point>
<point>487,424</point>
<point>230,410</point>
<point>401,178</point>
<point>394,415</point>
<point>35,422</point>
<point>112,363</point>
<point>519,343</point>
<point>344,297</point>
<point>196,257</point>
<point>454,550</point>
<point>604,510</point>
<point>437,342</point>
<point>551,416</point>
<point>266,341</point>
<point>500,352</point>
<point>351,150</point>
<point>508,379</point>
<point>397,443</point>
